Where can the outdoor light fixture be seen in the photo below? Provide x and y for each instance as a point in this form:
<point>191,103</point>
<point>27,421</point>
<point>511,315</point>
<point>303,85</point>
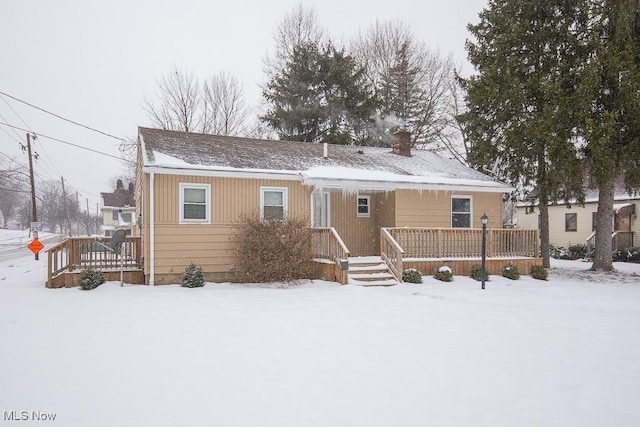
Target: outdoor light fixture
<point>484,219</point>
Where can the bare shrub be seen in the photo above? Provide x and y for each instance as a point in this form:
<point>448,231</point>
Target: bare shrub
<point>274,251</point>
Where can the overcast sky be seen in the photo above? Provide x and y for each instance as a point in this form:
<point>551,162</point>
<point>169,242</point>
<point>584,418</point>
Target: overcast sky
<point>94,62</point>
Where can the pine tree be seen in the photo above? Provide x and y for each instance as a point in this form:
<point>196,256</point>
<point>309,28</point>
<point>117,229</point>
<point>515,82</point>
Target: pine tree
<point>320,96</point>
<point>521,102</point>
<point>610,90</point>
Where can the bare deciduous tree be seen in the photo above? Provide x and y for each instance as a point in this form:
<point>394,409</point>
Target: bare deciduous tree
<point>298,27</point>
<point>178,102</point>
<point>182,103</point>
<point>224,109</point>
<point>398,65</point>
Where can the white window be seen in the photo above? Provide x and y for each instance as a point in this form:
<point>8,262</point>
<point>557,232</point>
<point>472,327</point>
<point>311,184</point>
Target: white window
<point>461,208</point>
<point>195,203</point>
<point>115,215</point>
<point>273,203</point>
<point>364,206</point>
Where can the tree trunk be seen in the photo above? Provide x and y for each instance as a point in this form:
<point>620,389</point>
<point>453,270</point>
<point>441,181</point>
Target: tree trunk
<point>544,233</point>
<point>602,259</point>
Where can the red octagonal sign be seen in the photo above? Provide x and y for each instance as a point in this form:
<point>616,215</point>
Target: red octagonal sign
<point>35,246</point>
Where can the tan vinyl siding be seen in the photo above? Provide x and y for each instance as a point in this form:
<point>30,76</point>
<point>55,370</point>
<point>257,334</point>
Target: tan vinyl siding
<point>358,233</point>
<point>209,245</point>
<point>433,208</point>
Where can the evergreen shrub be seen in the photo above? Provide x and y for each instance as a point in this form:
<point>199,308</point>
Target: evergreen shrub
<point>444,274</point>
<point>538,272</point>
<point>476,273</point>
<point>90,279</point>
<point>411,275</point>
<point>511,272</point>
<point>192,277</point>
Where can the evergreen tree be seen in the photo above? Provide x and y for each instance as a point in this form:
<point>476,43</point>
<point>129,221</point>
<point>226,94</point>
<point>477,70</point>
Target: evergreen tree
<point>319,96</point>
<point>521,102</point>
<point>610,89</point>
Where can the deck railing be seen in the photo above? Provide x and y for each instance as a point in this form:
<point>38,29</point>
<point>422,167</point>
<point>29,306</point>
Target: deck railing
<point>619,240</point>
<point>391,253</point>
<point>77,253</point>
<point>465,242</point>
<point>327,245</point>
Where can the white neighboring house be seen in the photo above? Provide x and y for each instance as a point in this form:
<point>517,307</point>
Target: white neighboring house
<point>574,225</point>
<point>118,211</point>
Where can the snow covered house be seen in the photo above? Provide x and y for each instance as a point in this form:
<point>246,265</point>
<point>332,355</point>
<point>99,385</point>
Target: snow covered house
<point>575,225</point>
<point>408,209</point>
<point>118,209</point>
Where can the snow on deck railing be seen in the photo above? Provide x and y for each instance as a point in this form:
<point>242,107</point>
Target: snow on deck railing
<point>465,242</point>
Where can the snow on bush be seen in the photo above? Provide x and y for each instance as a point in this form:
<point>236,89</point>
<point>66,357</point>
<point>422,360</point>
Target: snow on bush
<point>411,275</point>
<point>511,272</point>
<point>444,274</point>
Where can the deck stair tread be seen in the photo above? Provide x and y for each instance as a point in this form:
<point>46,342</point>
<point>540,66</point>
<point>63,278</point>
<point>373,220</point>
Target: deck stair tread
<point>370,271</point>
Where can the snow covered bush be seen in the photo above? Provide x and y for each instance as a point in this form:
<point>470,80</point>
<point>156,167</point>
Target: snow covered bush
<point>444,274</point>
<point>90,279</point>
<point>411,275</point>
<point>274,251</point>
<point>192,277</point>
<point>511,272</point>
<point>538,272</point>
<point>476,272</point>
<point>627,255</point>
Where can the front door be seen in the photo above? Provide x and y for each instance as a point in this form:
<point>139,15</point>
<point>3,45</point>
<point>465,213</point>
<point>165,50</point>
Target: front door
<point>320,201</point>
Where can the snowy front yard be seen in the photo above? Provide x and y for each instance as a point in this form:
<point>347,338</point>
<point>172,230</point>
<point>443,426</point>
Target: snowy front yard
<point>532,353</point>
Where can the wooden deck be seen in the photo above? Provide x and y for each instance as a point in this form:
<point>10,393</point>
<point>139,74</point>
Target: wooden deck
<point>428,249</point>
<point>66,259</point>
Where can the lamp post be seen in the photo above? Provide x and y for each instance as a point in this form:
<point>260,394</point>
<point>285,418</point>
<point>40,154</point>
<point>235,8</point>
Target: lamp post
<point>484,219</point>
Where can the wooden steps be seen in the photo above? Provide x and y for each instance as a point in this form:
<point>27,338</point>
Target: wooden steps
<point>370,271</point>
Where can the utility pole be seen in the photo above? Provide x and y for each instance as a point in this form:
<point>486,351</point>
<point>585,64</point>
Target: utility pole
<point>34,214</point>
<point>77,213</point>
<point>66,207</point>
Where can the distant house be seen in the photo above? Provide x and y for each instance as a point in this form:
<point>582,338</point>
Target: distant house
<point>118,210</point>
<point>575,225</point>
<point>394,204</point>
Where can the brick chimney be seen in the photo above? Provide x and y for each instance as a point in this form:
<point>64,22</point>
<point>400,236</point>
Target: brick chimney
<point>402,143</point>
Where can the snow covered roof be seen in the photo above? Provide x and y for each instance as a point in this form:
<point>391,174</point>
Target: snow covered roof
<point>345,165</point>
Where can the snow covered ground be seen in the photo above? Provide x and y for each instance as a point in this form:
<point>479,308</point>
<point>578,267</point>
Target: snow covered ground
<point>520,353</point>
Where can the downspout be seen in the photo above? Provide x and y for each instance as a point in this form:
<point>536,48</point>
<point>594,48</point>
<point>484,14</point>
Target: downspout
<point>152,231</point>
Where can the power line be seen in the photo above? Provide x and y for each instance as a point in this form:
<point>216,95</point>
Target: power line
<point>67,142</point>
<point>63,118</point>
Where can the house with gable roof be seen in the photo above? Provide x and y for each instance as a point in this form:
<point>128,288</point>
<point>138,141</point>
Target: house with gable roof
<point>406,209</point>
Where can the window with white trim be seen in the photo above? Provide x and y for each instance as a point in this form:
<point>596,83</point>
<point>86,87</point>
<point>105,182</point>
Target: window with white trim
<point>195,203</point>
<point>364,206</point>
<point>461,208</point>
<point>273,203</point>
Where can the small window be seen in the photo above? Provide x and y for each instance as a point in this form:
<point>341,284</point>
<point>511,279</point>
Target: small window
<point>461,211</point>
<point>126,217</point>
<point>571,222</point>
<point>195,203</point>
<point>114,215</point>
<point>273,203</point>
<point>363,206</point>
